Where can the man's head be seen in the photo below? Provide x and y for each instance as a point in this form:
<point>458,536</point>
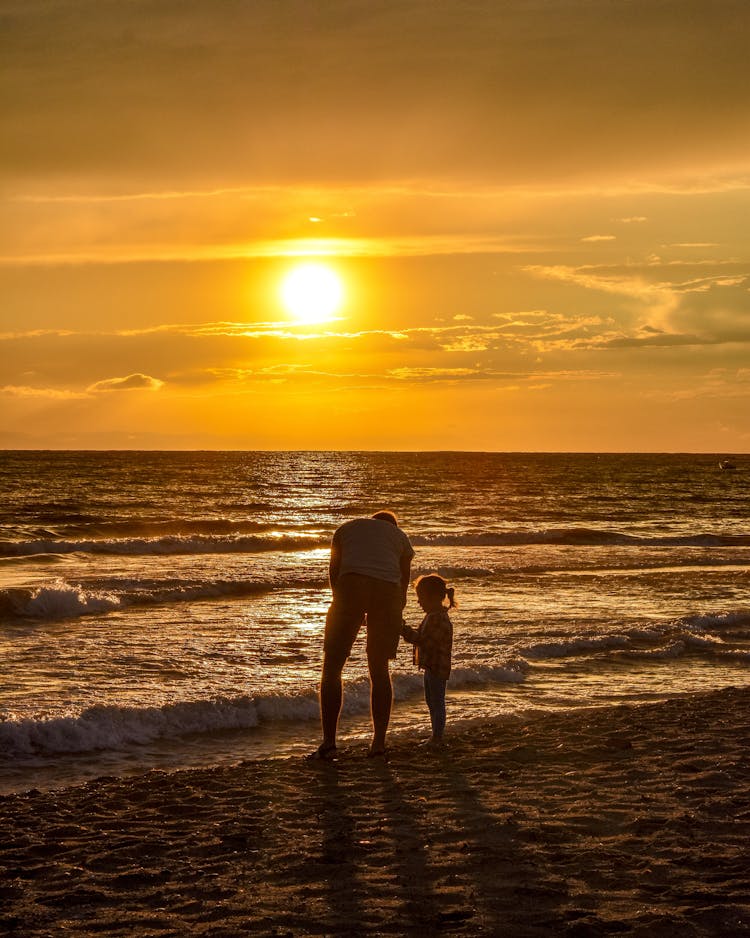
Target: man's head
<point>386,516</point>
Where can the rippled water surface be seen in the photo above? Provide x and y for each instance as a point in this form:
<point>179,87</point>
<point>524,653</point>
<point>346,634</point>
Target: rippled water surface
<point>167,608</point>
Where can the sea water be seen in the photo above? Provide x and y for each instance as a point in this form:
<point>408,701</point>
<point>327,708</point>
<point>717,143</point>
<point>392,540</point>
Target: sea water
<point>166,609</point>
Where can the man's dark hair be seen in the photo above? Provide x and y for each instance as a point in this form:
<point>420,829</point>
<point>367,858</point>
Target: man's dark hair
<point>386,516</point>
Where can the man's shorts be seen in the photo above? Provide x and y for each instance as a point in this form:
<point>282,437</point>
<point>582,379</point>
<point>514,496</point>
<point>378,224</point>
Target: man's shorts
<point>355,598</point>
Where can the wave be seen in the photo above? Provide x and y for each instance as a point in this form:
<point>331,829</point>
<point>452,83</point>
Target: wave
<point>118,727</point>
<point>36,559</point>
<point>223,536</point>
<point>690,634</point>
<point>115,727</point>
<point>59,601</point>
<point>582,537</point>
<point>171,544</point>
<point>95,528</point>
<point>739,618</point>
<point>574,646</point>
<point>62,600</point>
<point>455,573</point>
<point>513,672</point>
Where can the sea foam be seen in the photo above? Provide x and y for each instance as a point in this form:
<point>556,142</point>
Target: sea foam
<point>117,727</point>
<point>63,600</point>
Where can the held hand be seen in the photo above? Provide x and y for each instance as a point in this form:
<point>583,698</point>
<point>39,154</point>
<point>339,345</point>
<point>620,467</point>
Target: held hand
<point>409,634</point>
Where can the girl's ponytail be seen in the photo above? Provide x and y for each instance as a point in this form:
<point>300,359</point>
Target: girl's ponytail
<point>450,593</point>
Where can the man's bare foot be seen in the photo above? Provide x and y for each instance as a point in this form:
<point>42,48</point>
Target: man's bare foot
<point>326,752</point>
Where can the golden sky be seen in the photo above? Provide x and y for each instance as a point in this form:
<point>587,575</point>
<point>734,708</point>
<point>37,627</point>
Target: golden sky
<point>537,210</point>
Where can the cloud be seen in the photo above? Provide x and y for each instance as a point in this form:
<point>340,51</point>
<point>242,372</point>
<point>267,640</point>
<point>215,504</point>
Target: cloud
<point>532,380</point>
<point>529,90</point>
<point>229,353</point>
<point>542,324</point>
<point>693,244</point>
<point>439,374</point>
<point>620,281</point>
<point>134,382</point>
<point>182,250</point>
<point>414,218</point>
<point>52,394</point>
<point>719,311</point>
<point>662,301</point>
<point>33,334</point>
<point>661,340</point>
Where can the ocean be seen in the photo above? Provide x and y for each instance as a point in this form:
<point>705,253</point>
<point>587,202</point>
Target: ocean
<point>162,610</point>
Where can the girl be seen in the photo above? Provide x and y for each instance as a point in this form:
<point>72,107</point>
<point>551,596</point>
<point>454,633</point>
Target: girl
<point>432,642</point>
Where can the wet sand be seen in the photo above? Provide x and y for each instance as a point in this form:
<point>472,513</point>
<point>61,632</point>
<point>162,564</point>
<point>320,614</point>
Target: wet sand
<point>632,820</point>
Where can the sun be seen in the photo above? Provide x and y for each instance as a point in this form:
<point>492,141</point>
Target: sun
<point>312,293</point>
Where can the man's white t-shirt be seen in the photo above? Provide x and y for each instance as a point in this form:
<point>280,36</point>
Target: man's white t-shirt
<point>372,547</point>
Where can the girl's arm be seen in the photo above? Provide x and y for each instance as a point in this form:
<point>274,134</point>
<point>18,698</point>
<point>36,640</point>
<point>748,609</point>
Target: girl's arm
<point>410,634</point>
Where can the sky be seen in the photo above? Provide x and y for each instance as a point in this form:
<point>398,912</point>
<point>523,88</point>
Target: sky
<point>537,212</point>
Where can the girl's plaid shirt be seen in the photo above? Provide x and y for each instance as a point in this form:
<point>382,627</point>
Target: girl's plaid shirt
<point>432,641</point>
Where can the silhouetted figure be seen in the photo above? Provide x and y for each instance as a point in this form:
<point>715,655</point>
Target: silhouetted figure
<point>433,643</point>
<point>369,574</point>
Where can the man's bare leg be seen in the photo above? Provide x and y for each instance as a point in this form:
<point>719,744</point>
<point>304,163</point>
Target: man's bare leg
<point>381,700</point>
<point>331,698</point>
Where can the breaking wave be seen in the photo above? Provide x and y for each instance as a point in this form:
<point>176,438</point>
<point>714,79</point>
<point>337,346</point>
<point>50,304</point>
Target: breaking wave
<point>691,634</point>
<point>583,537</point>
<point>230,537</point>
<point>171,544</point>
<point>118,727</point>
<point>62,600</point>
<point>115,727</point>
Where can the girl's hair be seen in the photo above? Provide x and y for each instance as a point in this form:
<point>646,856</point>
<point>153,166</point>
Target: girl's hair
<point>434,583</point>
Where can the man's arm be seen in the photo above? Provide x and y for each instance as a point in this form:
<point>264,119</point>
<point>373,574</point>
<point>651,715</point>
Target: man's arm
<point>405,577</point>
<point>334,565</point>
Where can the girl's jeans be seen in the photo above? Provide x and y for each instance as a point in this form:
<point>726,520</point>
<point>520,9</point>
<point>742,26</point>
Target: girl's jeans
<point>434,694</point>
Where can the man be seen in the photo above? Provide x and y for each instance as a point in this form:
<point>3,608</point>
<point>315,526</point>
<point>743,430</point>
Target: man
<point>369,572</point>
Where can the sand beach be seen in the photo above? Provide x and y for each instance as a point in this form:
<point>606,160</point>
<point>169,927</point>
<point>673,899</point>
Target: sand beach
<point>632,820</point>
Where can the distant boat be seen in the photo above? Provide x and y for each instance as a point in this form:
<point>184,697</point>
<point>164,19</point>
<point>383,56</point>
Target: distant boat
<point>727,464</point>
